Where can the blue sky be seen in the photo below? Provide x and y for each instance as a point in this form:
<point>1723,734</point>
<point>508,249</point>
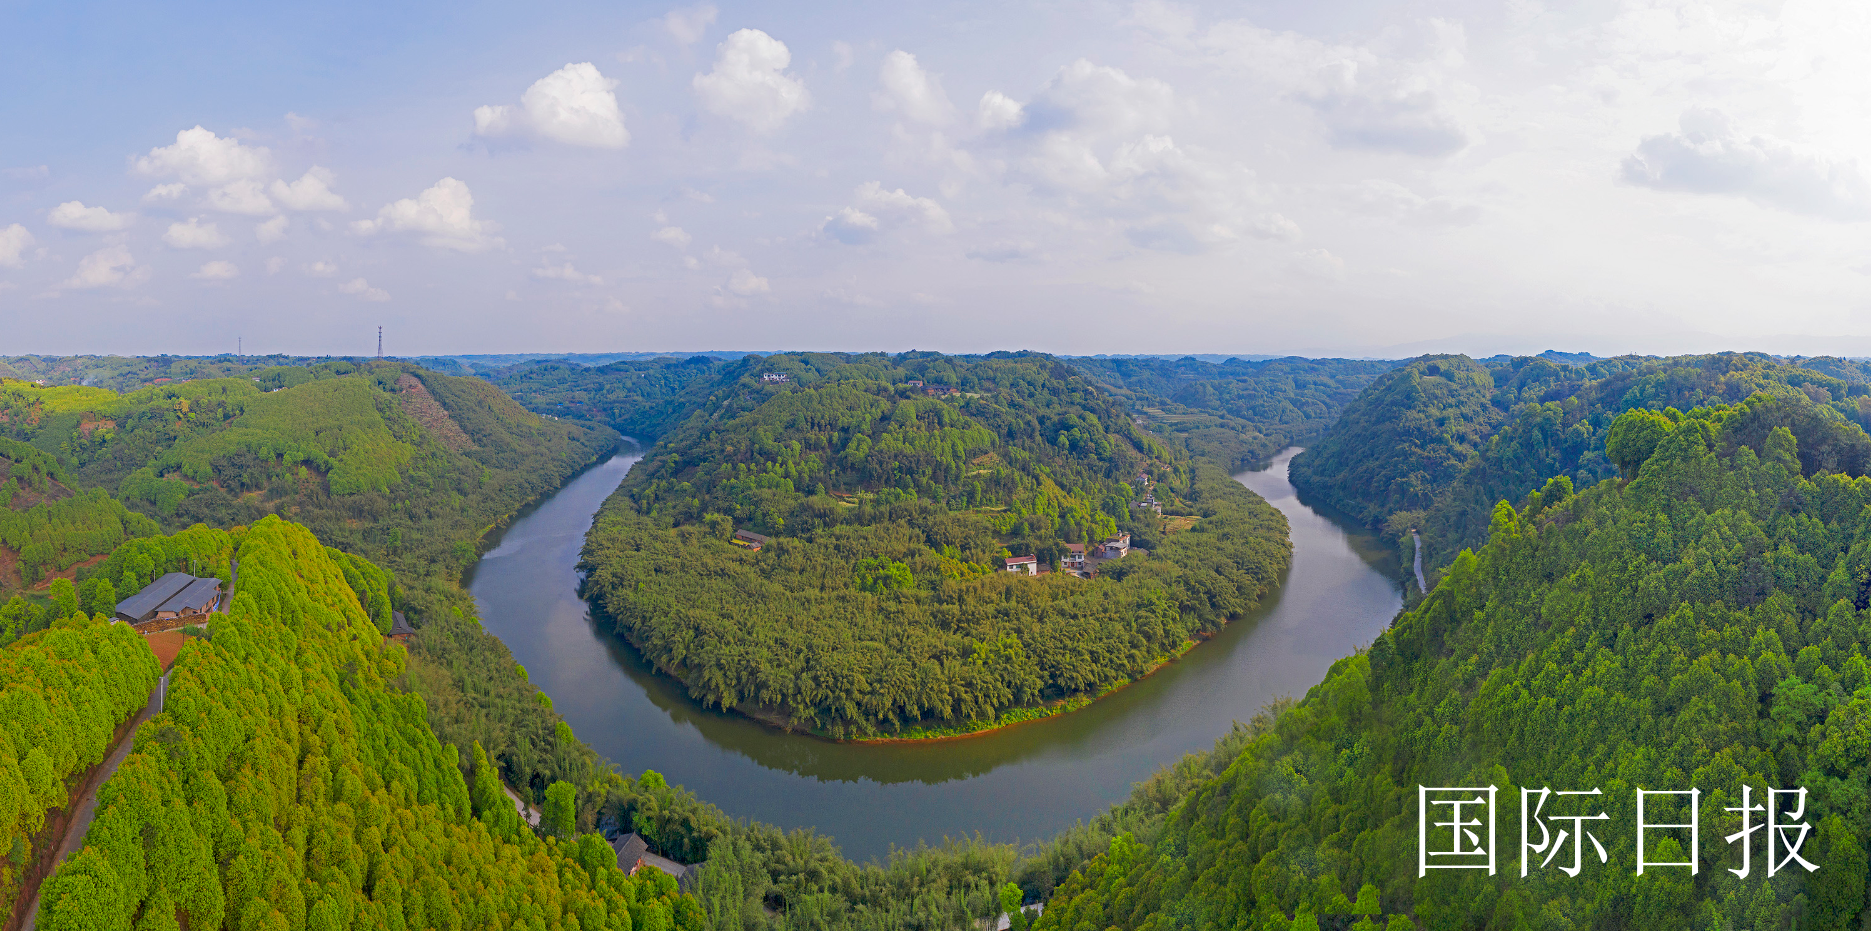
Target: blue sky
<point>1332,177</point>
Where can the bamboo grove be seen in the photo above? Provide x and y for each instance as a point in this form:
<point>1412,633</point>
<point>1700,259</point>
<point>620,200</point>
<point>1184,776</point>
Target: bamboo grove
<point>893,486</point>
<point>1700,621</point>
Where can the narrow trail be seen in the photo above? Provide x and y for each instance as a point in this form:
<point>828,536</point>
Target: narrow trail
<point>1421,585</point>
<point>87,797</point>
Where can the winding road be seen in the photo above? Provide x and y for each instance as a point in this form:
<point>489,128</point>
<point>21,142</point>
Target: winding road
<point>1421,585</point>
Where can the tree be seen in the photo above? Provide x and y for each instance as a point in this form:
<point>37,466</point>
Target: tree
<point>1367,903</point>
<point>560,816</point>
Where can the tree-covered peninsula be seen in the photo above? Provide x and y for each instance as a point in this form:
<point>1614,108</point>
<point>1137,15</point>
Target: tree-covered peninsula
<point>887,494</point>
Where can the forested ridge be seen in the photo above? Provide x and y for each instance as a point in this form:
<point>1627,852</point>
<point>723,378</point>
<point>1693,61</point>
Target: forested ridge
<point>878,607</point>
<point>1437,442</point>
<point>385,459</point>
<point>286,783</point>
<point>1237,413</point>
<point>1700,621</point>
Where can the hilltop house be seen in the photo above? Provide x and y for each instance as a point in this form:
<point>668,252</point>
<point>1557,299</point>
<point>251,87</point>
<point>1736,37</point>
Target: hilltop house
<point>750,539</point>
<point>1026,564</point>
<point>1117,547</point>
<point>776,378</point>
<point>1074,556</point>
<point>171,601</point>
<point>633,854</point>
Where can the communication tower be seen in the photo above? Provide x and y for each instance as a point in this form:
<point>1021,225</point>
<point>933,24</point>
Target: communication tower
<point>380,342</point>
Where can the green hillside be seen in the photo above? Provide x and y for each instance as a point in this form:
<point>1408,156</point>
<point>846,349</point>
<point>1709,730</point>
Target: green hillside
<point>644,399</point>
<point>287,783</point>
<point>386,459</point>
<point>1703,624</point>
<point>1237,413</point>
<point>1415,452</point>
<point>879,607</point>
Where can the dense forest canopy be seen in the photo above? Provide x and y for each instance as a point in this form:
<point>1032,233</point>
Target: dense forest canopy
<point>286,783</point>
<point>639,398</point>
<point>1700,622</point>
<point>1237,413</point>
<point>1436,443</point>
<point>894,487</point>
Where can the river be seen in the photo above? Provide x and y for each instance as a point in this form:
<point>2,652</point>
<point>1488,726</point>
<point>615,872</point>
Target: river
<point>1020,784</point>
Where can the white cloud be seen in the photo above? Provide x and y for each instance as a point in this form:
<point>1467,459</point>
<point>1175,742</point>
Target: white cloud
<point>689,25</point>
<point>1319,263</point>
<point>194,234</point>
<point>443,215</point>
<point>363,290</point>
<point>1096,100</point>
<point>672,235</point>
<point>199,157</point>
<point>749,83</point>
<point>574,105</point>
<point>272,230</point>
<point>1389,200</point>
<point>877,209</point>
<point>276,264</point>
<point>242,197</point>
<point>910,90</point>
<point>74,215</point>
<point>998,111</point>
<point>842,56</point>
<point>321,269</point>
<point>1710,155</point>
<point>217,270</point>
<point>109,267</point>
<point>747,284</point>
<point>311,192</point>
<point>14,240</point>
<point>165,192</point>
<point>566,273</point>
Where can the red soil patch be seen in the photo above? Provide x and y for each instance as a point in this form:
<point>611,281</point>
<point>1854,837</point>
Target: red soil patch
<point>166,645</point>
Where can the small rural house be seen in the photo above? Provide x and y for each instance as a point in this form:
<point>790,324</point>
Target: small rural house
<point>633,854</point>
<point>1026,564</point>
<point>776,378</point>
<point>171,601</point>
<point>750,539</point>
<point>1117,547</point>
<point>400,631</point>
<point>1074,556</point>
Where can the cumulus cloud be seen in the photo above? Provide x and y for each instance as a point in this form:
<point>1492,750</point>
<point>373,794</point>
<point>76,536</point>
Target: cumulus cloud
<point>311,192</point>
<point>877,209</point>
<point>749,83</point>
<point>234,173</point>
<point>566,273</point>
<point>242,197</point>
<point>194,234</point>
<point>363,290</point>
<point>574,105</point>
<point>997,111</point>
<point>14,240</point>
<point>321,269</point>
<point>911,91</point>
<point>74,215</point>
<point>199,157</point>
<point>217,270</point>
<point>272,230</point>
<point>443,216</point>
<point>747,284</point>
<point>1090,99</point>
<point>673,236</point>
<point>109,267</point>
<point>689,25</point>
<point>1395,120</point>
<point>1710,155</point>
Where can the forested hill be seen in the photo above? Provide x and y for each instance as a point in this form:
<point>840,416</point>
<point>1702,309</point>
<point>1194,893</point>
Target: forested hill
<point>1702,623</point>
<point>286,783</point>
<point>1438,442</point>
<point>1237,413</point>
<point>893,488</point>
<point>381,458</point>
<point>638,398</point>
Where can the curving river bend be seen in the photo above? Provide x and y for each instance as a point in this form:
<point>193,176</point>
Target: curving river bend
<point>1021,784</point>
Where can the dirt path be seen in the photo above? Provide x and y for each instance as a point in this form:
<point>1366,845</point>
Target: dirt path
<point>527,814</point>
<point>86,800</point>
